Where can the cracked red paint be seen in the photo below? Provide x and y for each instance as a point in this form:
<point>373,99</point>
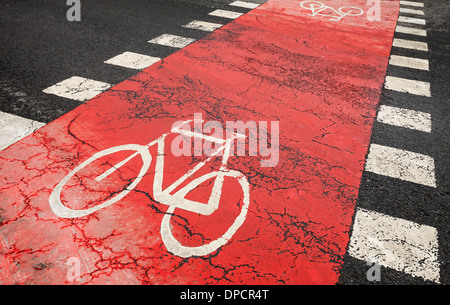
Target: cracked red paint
<point>320,79</point>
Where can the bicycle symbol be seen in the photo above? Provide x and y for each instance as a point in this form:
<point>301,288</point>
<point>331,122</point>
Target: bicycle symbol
<point>317,9</point>
<point>164,196</point>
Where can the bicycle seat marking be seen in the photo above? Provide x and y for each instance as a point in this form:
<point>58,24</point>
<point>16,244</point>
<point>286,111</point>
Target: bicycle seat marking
<point>174,195</point>
<point>319,9</point>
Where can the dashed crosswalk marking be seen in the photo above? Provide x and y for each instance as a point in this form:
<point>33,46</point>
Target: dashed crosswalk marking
<point>82,89</point>
<point>244,4</point>
<point>412,3</point>
<point>225,14</point>
<point>409,30</point>
<point>396,243</point>
<point>14,128</point>
<point>410,44</point>
<point>133,60</point>
<point>407,85</point>
<point>411,20</point>
<point>402,164</point>
<point>78,88</point>
<point>409,62</point>
<point>393,242</point>
<point>411,11</point>
<point>203,25</point>
<point>173,41</point>
<point>406,118</point>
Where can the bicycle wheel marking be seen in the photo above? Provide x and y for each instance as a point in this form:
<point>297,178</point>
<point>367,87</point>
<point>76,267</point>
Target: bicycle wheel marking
<point>55,197</point>
<point>175,247</point>
<point>289,224</point>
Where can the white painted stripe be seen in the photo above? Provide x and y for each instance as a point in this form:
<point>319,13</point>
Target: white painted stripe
<point>203,25</point>
<point>411,20</point>
<point>245,4</point>
<point>225,14</point>
<point>78,88</point>
<point>409,62</point>
<point>173,41</point>
<point>406,118</point>
<point>412,3</point>
<point>411,11</point>
<point>412,31</point>
<point>14,128</point>
<point>395,243</point>
<point>401,164</point>
<point>407,85</point>
<point>410,44</point>
<point>133,60</point>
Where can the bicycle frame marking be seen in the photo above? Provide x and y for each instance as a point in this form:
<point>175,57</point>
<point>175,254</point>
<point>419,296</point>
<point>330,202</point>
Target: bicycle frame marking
<point>317,7</point>
<point>176,200</point>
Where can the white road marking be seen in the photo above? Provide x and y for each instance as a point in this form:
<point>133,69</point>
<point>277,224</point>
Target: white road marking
<point>225,14</point>
<point>78,88</point>
<point>409,62</point>
<point>406,118</point>
<point>14,128</point>
<point>410,44</point>
<point>245,4</point>
<point>407,85</point>
<point>411,20</point>
<point>133,60</point>
<point>412,31</point>
<point>203,25</point>
<point>395,243</point>
<point>411,11</point>
<point>412,3</point>
<point>401,164</point>
<point>173,41</point>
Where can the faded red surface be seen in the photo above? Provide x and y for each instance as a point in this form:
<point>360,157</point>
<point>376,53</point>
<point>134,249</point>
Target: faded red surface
<point>320,79</point>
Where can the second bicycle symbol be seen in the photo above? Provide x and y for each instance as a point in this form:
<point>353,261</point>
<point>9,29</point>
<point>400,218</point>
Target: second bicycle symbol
<point>320,9</point>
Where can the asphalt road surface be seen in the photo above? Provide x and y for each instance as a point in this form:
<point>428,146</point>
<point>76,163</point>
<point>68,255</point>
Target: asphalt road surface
<point>398,231</point>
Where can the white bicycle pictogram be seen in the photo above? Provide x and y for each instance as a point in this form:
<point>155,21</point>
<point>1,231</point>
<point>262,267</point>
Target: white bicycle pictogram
<point>164,196</point>
<point>317,8</point>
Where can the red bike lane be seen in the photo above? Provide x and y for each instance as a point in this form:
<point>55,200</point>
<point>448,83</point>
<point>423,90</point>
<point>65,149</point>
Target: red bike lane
<point>319,78</point>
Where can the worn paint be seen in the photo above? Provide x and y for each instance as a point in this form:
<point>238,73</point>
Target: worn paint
<point>320,79</point>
